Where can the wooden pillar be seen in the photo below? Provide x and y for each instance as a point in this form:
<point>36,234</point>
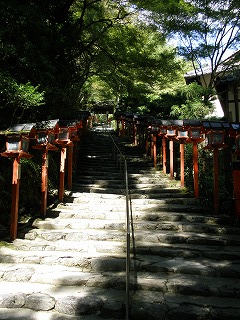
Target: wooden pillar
<point>62,173</point>
<point>135,142</point>
<point>171,146</point>
<point>15,197</point>
<point>155,150</point>
<point>216,187</point>
<point>195,169</point>
<point>151,144</point>
<point>182,146</point>
<point>147,143</point>
<point>164,154</point>
<point>44,186</point>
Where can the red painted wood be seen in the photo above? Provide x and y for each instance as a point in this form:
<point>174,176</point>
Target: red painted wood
<point>195,169</point>
<point>44,182</point>
<point>15,198</point>
<point>155,150</point>
<point>171,147</point>
<point>182,163</point>
<point>62,173</point>
<point>164,154</point>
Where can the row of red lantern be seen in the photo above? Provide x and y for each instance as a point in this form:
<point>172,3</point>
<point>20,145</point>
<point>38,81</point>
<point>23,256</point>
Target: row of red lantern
<point>44,136</point>
<point>18,136</point>
<point>212,133</point>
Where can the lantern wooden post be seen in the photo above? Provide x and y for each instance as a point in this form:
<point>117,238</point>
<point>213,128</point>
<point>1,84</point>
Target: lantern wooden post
<point>67,131</point>
<point>195,169</point>
<point>171,134</point>
<point>16,176</point>
<point>135,142</point>
<point>44,182</point>
<point>62,173</point>
<point>17,143</point>
<point>155,150</point>
<point>164,154</point>
<point>182,163</point>
<point>44,173</point>
<point>151,145</point>
<point>44,141</point>
<point>153,134</point>
<point>182,137</point>
<point>195,137</point>
<point>147,143</point>
<point>215,133</point>
<point>171,149</point>
<point>162,134</point>
<point>15,197</point>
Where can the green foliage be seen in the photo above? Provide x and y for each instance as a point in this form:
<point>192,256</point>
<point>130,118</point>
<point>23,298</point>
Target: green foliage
<point>194,106</point>
<point>18,97</point>
<point>205,30</point>
<point>140,66</point>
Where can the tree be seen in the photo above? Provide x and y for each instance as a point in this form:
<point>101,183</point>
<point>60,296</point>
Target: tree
<point>190,103</point>
<point>52,45</point>
<point>206,30</point>
<point>20,98</point>
<point>139,64</point>
<point>67,48</point>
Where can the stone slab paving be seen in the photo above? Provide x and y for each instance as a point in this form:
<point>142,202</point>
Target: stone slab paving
<point>185,262</point>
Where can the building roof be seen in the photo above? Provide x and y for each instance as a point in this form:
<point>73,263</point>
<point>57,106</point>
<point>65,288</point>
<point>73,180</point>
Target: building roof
<point>228,65</point>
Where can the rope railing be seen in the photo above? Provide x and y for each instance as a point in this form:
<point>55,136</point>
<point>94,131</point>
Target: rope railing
<point>121,162</point>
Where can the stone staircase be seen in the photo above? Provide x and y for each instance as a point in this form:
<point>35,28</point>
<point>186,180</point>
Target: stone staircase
<point>185,262</point>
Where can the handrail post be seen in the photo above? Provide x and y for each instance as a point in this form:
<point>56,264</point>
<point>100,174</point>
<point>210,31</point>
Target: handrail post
<point>128,241</point>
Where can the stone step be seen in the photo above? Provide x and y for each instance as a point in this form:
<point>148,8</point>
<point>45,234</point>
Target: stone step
<point>151,175</point>
<point>103,246</point>
<point>185,262</point>
<point>137,193</point>
<point>161,206</point>
<point>23,314</point>
<point>140,188</point>
<point>62,302</point>
<point>114,224</point>
<point>162,213</point>
<point>113,262</point>
<point>90,212</point>
<point>85,262</point>
<point>107,303</point>
<point>137,203</point>
<point>171,283</point>
<point>153,236</point>
<point>76,235</point>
